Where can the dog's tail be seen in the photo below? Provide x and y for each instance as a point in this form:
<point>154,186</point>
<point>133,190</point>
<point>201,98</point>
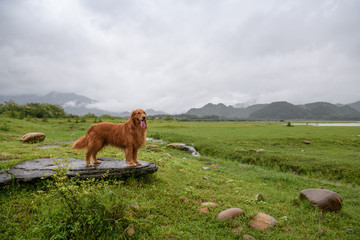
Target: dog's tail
<point>81,143</point>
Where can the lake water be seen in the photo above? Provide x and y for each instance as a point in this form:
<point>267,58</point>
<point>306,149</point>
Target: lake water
<point>356,124</point>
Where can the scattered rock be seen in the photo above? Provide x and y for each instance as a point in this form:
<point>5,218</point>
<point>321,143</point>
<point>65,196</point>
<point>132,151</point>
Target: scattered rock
<point>306,142</point>
<point>205,178</point>
<point>48,146</point>
<point>259,197</point>
<point>209,163</point>
<point>209,204</point>
<point>205,168</point>
<point>249,237</point>
<point>263,222</point>
<point>155,140</point>
<point>151,147</point>
<point>203,210</point>
<point>230,213</point>
<point>130,230</point>
<point>237,230</point>
<point>186,200</point>
<point>184,147</point>
<point>323,199</point>
<point>135,206</point>
<point>33,137</point>
<point>320,231</point>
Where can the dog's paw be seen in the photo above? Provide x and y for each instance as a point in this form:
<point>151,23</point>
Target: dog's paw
<point>132,164</point>
<point>91,165</point>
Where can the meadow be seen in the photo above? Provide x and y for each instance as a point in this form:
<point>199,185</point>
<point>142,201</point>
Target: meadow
<point>248,158</point>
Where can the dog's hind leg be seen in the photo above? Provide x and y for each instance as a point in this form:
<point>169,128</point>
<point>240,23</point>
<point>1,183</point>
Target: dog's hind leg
<point>93,149</point>
<point>87,159</point>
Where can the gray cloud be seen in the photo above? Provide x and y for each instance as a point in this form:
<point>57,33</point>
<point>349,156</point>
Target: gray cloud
<point>174,55</point>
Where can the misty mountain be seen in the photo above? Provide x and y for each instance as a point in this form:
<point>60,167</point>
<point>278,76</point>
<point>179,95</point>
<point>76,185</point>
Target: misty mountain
<point>279,111</point>
<point>355,105</point>
<point>71,103</point>
<point>224,111</point>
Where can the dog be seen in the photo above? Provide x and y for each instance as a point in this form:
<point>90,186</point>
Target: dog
<point>129,136</point>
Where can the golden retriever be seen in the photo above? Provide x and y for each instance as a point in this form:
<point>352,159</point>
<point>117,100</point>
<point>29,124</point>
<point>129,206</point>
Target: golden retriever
<point>130,136</point>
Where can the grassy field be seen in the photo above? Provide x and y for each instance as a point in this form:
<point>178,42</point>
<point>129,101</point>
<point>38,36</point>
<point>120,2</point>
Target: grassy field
<point>166,203</point>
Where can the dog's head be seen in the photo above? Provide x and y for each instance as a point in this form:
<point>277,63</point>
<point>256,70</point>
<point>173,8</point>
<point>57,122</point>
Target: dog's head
<point>139,117</point>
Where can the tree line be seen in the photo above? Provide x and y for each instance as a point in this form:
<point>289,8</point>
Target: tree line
<point>31,110</point>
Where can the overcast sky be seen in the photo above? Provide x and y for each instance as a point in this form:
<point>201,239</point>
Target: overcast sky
<point>172,55</point>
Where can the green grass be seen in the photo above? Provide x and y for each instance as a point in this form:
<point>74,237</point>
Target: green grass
<point>333,152</point>
<point>170,199</point>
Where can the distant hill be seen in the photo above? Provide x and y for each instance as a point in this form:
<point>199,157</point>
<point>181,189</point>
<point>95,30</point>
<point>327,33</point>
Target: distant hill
<point>280,111</point>
<point>355,105</point>
<point>71,103</point>
<point>223,111</point>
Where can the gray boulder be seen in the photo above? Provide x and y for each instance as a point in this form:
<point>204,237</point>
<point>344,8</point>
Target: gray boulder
<point>184,147</point>
<point>33,137</point>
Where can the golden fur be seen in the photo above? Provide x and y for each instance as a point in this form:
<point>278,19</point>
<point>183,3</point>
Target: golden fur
<point>130,136</point>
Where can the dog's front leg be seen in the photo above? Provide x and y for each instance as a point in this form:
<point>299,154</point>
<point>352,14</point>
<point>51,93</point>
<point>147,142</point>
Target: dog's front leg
<point>135,156</point>
<point>129,155</point>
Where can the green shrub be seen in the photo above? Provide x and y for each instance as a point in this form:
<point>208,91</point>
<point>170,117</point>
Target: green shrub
<point>82,209</point>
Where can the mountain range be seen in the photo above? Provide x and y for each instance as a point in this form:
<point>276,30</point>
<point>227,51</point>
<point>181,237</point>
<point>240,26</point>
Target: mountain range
<point>281,111</point>
<point>81,105</point>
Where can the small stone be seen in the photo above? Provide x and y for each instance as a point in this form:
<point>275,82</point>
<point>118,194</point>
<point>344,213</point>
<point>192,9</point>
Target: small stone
<point>203,210</point>
<point>205,168</point>
<point>209,204</point>
<point>259,197</point>
<point>263,222</point>
<point>205,178</point>
<point>249,237</point>
<point>349,230</point>
<point>320,231</point>
<point>286,229</point>
<point>237,230</point>
<point>323,199</point>
<point>135,206</point>
<point>185,200</point>
<point>151,146</point>
<point>260,150</point>
<point>230,213</point>
<point>306,142</point>
<point>209,163</point>
<point>33,137</point>
<point>130,230</point>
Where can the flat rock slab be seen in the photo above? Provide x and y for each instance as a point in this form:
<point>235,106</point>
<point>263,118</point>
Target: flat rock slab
<point>5,178</point>
<point>45,167</point>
